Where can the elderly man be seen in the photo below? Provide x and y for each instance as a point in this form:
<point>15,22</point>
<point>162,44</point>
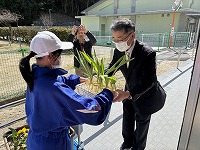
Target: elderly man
<point>140,74</point>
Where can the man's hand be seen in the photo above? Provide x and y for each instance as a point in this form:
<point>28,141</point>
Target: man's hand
<point>121,95</point>
<point>74,30</point>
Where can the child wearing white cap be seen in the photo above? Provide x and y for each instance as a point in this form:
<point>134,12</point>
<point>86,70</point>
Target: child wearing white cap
<point>52,105</point>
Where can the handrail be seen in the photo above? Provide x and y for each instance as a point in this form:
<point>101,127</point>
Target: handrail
<point>12,121</point>
<point>72,134</point>
<point>18,102</point>
<point>13,103</point>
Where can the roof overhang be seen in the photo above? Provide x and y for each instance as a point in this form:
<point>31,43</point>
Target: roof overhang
<point>194,15</point>
<point>187,11</point>
<point>92,6</point>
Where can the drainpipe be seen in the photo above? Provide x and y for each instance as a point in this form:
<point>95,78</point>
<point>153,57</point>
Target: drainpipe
<point>116,6</point>
<point>198,34</point>
<point>133,6</point>
<point>192,3</point>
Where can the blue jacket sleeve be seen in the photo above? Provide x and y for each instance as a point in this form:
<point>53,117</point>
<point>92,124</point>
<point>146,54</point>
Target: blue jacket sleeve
<point>72,80</point>
<point>80,110</point>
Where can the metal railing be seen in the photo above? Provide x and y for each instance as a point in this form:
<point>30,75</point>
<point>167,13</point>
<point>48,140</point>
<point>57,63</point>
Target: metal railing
<point>180,39</point>
<point>12,84</point>
<point>18,102</point>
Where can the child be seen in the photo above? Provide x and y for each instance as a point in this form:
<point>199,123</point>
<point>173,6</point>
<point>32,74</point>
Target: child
<point>52,105</point>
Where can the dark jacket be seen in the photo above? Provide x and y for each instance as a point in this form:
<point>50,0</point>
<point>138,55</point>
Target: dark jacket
<point>87,47</point>
<point>140,75</point>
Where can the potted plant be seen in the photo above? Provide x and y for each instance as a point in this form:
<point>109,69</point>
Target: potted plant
<point>94,69</point>
<point>15,139</point>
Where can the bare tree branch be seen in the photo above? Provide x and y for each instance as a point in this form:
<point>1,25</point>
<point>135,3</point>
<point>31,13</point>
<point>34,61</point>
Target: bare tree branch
<point>46,20</point>
<point>7,17</point>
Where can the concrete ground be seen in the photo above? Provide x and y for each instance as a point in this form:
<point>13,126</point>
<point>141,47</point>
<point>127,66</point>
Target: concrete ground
<point>165,125</point>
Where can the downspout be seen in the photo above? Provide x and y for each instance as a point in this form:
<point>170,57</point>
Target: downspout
<point>198,27</point>
<point>192,3</point>
<point>198,34</point>
<point>133,6</point>
<point>116,5</point>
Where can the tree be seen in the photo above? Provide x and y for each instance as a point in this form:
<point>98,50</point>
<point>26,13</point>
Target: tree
<point>46,20</point>
<point>7,18</point>
<point>33,9</point>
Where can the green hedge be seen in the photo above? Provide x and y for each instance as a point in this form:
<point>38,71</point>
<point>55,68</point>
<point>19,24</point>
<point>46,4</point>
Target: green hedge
<point>27,33</point>
<point>61,32</point>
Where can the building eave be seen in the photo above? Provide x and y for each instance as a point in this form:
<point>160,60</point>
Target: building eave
<point>194,15</point>
<point>144,13</point>
<point>92,6</point>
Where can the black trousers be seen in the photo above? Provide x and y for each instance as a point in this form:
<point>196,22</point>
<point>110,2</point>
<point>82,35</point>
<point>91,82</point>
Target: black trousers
<point>135,127</point>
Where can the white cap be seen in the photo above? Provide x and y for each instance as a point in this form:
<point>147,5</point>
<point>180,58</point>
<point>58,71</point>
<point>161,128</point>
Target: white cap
<point>46,42</point>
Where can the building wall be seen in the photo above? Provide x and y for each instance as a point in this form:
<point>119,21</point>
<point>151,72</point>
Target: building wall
<point>186,3</point>
<point>144,23</point>
<point>124,6</point>
<point>95,23</point>
<point>153,5</point>
<point>156,5</point>
<point>182,26</point>
<point>108,24</point>
<point>104,8</point>
<point>155,23</point>
<point>91,23</point>
<point>107,7</point>
<point>195,4</point>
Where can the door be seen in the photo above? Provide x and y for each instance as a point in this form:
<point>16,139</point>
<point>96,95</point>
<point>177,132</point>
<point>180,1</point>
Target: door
<point>190,131</point>
<point>102,29</point>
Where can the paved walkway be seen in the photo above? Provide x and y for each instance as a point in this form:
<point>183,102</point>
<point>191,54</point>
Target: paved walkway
<point>165,125</point>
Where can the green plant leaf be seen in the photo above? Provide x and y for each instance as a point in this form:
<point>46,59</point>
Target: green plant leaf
<point>97,65</point>
<point>88,71</point>
<point>114,66</point>
<point>118,64</point>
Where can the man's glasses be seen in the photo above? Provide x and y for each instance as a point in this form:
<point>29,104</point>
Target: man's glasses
<point>121,40</point>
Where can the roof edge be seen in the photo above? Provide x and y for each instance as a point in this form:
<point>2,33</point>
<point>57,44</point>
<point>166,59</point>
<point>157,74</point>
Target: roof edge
<point>92,6</point>
<point>145,13</point>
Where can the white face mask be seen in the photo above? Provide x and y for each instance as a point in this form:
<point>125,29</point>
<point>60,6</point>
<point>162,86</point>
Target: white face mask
<point>59,64</point>
<point>56,66</point>
<point>122,46</point>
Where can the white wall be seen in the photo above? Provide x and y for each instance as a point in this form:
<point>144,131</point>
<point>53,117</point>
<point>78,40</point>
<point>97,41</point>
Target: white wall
<point>182,23</point>
<point>91,23</point>
<point>106,7</point>
<point>196,4</point>
<point>155,23</point>
<point>144,23</point>
<point>124,7</point>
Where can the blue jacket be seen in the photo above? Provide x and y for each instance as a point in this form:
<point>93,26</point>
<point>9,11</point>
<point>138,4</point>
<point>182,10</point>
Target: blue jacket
<point>53,105</point>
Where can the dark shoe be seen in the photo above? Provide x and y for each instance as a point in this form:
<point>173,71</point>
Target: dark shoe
<point>122,148</point>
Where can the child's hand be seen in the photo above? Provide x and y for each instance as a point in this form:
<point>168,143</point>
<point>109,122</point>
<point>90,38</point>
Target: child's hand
<point>84,80</point>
